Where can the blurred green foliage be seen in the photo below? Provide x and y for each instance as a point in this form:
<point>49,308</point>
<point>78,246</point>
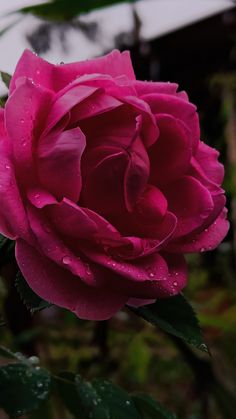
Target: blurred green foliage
<point>61,10</point>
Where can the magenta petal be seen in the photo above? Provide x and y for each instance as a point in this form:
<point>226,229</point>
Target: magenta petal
<point>139,302</point>
<point>59,158</point>
<point>65,101</point>
<point>150,131</point>
<point>72,221</point>
<point>190,201</point>
<point>208,239</point>
<point>52,246</point>
<point>118,87</point>
<point>150,268</point>
<point>177,278</point>
<point>174,140</point>
<point>95,105</point>
<point>13,218</point>
<point>178,108</point>
<point>55,77</point>
<point>147,87</point>
<point>60,287</point>
<point>26,110</point>
<point>39,197</point>
<point>171,283</point>
<point>207,158</point>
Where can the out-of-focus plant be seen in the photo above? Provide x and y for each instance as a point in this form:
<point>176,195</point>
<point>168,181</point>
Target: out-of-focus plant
<point>61,10</point>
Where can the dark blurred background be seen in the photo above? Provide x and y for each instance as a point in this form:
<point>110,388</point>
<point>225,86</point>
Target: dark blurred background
<point>194,46</point>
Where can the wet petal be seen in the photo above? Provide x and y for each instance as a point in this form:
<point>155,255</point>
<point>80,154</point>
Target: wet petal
<point>61,287</point>
<point>55,77</point>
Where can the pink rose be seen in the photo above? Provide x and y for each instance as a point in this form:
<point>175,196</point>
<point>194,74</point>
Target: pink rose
<point>104,184</point>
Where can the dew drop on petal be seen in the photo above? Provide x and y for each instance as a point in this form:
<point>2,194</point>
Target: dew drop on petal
<point>66,260</point>
<point>88,270</point>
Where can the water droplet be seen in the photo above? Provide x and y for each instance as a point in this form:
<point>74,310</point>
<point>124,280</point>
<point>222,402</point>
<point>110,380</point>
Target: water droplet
<point>127,402</point>
<point>151,274</point>
<point>202,249</point>
<point>66,260</point>
<point>175,284</point>
<point>176,273</point>
<point>113,264</point>
<point>39,385</point>
<point>22,121</point>
<point>34,360</point>
<point>206,230</point>
<point>38,71</point>
<point>7,166</point>
<point>62,62</point>
<point>37,196</point>
<point>88,270</point>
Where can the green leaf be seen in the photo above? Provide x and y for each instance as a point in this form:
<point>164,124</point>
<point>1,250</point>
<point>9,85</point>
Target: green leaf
<point>6,78</point>
<point>8,354</point>
<point>175,316</point>
<point>32,301</point>
<point>96,400</point>
<point>118,402</point>
<point>66,10</point>
<point>66,388</point>
<point>43,412</point>
<point>23,388</point>
<point>151,408</point>
<point>91,404</point>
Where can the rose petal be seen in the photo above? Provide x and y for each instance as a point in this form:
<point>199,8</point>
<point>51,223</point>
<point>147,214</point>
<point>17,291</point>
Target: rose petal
<point>55,77</point>
<point>60,287</point>
<point>13,219</point>
<point>139,302</point>
<point>114,178</point>
<point>171,154</point>
<point>191,203</point>
<point>54,248</point>
<point>149,87</point>
<point>207,159</point>
<point>208,239</point>
<point>152,267</point>
<point>26,110</point>
<point>72,221</point>
<point>64,102</point>
<point>95,105</point>
<point>170,284</point>
<point>39,197</point>
<point>178,108</point>
<point>58,161</point>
